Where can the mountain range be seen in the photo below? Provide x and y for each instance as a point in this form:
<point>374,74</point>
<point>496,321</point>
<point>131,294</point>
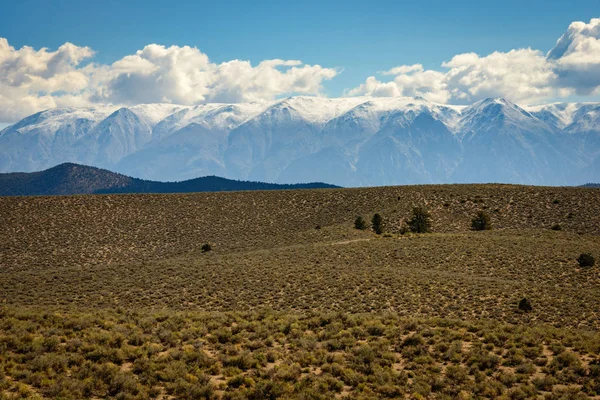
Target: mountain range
<point>69,178</point>
<point>353,141</point>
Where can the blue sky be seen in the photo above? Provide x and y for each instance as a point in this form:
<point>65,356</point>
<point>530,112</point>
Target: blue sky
<point>360,37</point>
<point>363,37</point>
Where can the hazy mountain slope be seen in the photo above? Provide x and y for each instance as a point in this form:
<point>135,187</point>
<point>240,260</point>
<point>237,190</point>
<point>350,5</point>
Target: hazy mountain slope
<point>63,179</point>
<point>71,178</point>
<point>504,142</point>
<point>356,141</point>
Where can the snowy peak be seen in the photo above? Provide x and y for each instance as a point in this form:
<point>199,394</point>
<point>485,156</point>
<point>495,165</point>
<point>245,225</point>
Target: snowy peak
<point>497,114</point>
<point>585,119</point>
<point>349,141</point>
<point>152,114</point>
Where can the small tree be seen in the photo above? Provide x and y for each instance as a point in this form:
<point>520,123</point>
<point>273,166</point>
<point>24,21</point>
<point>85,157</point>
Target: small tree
<point>377,223</point>
<point>206,247</point>
<point>481,222</point>
<point>586,260</point>
<point>420,221</point>
<point>525,305</point>
<point>360,223</point>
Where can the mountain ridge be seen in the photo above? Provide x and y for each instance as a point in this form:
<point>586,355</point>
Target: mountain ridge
<point>354,141</point>
<point>70,178</point>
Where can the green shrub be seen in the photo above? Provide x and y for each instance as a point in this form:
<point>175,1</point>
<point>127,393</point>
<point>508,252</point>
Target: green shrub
<point>420,221</point>
<point>586,260</point>
<point>360,223</point>
<point>377,223</point>
<point>206,247</point>
<point>525,305</point>
<point>556,227</point>
<point>481,222</point>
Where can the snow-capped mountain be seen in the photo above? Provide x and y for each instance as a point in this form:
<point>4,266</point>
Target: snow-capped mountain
<point>354,141</point>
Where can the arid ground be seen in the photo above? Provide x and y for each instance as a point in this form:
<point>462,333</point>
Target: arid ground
<point>112,296</point>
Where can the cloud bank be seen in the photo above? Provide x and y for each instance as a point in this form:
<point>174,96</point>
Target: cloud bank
<point>32,80</point>
<point>522,75</point>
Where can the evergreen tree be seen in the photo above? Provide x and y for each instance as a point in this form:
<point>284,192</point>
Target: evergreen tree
<point>481,222</point>
<point>420,221</point>
<point>377,223</point>
<point>360,223</point>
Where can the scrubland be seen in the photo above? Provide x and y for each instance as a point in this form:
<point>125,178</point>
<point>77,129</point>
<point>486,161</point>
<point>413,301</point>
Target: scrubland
<point>112,296</point>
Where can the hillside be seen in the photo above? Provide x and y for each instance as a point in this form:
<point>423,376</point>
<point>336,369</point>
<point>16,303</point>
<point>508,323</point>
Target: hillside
<point>112,296</point>
<point>355,141</point>
<point>90,242</point>
<point>71,178</point>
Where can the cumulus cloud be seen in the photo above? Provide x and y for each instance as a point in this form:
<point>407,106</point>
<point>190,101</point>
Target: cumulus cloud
<point>33,80</point>
<point>522,75</point>
<point>576,57</point>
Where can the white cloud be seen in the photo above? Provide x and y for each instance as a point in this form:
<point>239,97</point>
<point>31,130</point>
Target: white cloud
<point>403,69</point>
<point>576,57</point>
<point>523,75</point>
<point>32,80</point>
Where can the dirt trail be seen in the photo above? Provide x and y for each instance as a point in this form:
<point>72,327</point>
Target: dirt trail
<point>302,245</point>
<point>348,241</point>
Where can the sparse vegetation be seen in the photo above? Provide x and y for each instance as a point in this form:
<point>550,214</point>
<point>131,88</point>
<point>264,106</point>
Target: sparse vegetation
<point>266,354</point>
<point>109,296</point>
<point>420,221</point>
<point>377,223</point>
<point>481,222</point>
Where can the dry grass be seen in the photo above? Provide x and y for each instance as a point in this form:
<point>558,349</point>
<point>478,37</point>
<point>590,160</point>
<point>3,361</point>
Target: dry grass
<point>458,275</point>
<point>82,230</point>
<point>265,355</point>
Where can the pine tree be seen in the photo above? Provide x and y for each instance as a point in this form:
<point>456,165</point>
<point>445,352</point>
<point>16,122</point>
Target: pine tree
<point>360,223</point>
<point>481,222</point>
<point>420,221</point>
<point>377,223</point>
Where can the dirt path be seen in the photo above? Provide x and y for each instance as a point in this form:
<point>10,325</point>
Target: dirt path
<point>347,242</point>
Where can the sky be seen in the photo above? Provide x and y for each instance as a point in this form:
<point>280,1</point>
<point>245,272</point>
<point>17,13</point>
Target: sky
<point>75,53</point>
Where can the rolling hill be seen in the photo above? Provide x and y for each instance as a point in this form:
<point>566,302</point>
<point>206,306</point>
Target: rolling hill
<point>113,296</point>
<point>69,178</point>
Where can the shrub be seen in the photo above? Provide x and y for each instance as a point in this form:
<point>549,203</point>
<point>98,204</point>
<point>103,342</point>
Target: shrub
<point>586,260</point>
<point>360,223</point>
<point>377,223</point>
<point>206,247</point>
<point>525,305</point>
<point>556,227</point>
<point>481,222</point>
<point>420,221</point>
